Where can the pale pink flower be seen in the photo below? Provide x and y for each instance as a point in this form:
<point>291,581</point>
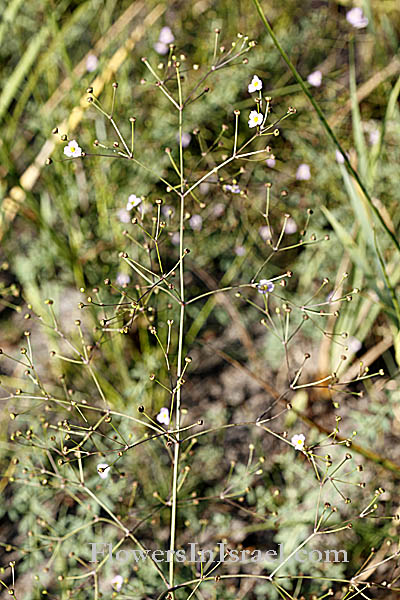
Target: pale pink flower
<point>356,17</point>
<point>166,36</point>
<point>91,63</point>
<point>123,279</point>
<point>168,211</point>
<point>315,78</point>
<point>374,136</point>
<point>175,239</point>
<point>303,172</point>
<point>265,232</point>
<point>339,157</point>
<point>218,209</point>
<point>186,137</point>
<point>161,48</point>
<point>291,226</point>
<point>271,162</point>
<point>124,216</point>
<point>196,222</point>
<point>353,345</point>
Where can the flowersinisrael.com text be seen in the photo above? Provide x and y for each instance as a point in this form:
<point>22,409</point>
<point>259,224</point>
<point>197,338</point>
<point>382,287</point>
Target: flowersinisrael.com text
<point>193,554</point>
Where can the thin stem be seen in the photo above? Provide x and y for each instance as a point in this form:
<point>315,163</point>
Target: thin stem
<point>117,131</point>
<point>180,340</point>
<point>236,131</point>
<point>161,85</point>
<point>310,537</point>
<point>132,134</point>
<point>217,32</point>
<point>113,100</point>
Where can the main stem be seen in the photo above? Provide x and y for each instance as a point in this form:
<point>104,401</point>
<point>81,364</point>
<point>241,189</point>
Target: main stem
<point>180,345</point>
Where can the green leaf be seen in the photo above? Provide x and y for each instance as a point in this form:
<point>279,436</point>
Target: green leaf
<point>389,114</point>
<point>22,69</point>
<point>356,117</point>
<point>355,253</point>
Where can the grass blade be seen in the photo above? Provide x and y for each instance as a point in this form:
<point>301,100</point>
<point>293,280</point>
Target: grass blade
<point>356,117</point>
<point>23,67</point>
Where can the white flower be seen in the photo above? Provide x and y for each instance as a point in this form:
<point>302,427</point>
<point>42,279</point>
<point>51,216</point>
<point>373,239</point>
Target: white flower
<point>240,250</point>
<point>265,232</point>
<point>291,226</point>
<point>255,84</point>
<point>133,202</point>
<point>196,222</point>
<point>298,441</point>
<point>255,119</point>
<point>265,286</point>
<point>356,17</point>
<point>204,187</point>
<point>235,189</point>
<point>124,216</point>
<point>103,470</point>
<point>339,157</point>
<point>117,582</point>
<point>91,63</point>
<point>72,150</point>
<point>123,279</point>
<point>315,78</point>
<point>271,162</point>
<point>166,36</point>
<point>163,416</point>
<point>303,172</point>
